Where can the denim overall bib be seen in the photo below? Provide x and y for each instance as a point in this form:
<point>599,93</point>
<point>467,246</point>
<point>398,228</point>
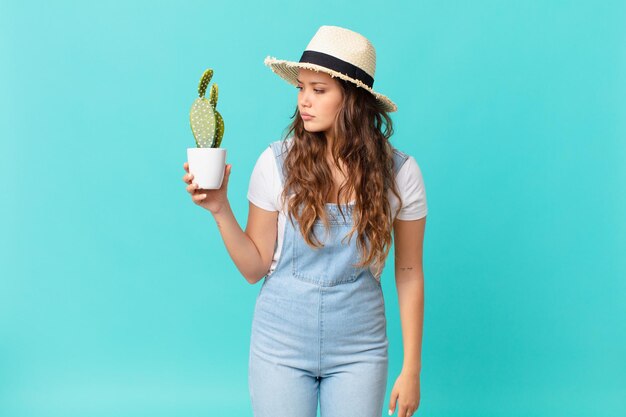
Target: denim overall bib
<point>319,325</point>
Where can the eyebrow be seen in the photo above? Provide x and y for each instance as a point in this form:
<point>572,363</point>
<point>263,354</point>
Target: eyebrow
<point>314,82</point>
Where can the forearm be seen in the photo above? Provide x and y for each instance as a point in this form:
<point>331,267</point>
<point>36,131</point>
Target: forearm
<point>410,286</point>
<point>240,247</point>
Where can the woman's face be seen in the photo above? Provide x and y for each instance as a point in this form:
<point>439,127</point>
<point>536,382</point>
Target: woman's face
<point>320,96</point>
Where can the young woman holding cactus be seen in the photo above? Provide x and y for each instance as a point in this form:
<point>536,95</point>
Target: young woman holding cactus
<point>323,205</point>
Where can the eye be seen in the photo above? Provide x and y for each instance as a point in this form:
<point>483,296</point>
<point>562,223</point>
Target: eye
<point>316,90</point>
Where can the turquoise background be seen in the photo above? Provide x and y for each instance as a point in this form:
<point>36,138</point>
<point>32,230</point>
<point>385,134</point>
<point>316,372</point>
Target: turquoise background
<point>117,295</point>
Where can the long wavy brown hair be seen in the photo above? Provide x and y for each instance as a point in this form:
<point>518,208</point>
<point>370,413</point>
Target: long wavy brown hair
<point>363,147</point>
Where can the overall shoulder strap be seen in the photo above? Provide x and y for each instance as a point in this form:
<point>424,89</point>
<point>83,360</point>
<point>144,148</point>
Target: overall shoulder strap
<point>399,158</point>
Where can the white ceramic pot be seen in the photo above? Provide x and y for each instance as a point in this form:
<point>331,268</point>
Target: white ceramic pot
<point>207,166</point>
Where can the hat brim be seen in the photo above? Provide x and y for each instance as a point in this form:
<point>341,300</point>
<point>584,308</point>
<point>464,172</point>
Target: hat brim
<point>288,70</point>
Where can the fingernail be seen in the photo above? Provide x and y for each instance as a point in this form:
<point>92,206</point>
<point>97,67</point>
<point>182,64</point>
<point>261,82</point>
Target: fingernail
<point>390,412</point>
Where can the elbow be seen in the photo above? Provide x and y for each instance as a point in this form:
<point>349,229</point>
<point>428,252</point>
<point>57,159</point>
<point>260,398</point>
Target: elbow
<point>258,275</point>
<point>253,279</point>
<point>249,279</point>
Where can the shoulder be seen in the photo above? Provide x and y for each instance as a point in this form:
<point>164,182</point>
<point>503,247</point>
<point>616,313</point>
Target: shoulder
<point>281,146</point>
<point>412,190</point>
<point>400,159</point>
<point>264,187</point>
<point>274,149</point>
<point>264,161</point>
<point>410,167</point>
<point>410,174</point>
<point>407,170</point>
<point>267,154</point>
<point>272,157</point>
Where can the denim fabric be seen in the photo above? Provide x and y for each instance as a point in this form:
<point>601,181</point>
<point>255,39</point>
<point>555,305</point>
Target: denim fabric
<point>319,331</point>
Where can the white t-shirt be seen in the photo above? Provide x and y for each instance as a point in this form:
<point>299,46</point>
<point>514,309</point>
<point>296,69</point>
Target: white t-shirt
<point>265,188</point>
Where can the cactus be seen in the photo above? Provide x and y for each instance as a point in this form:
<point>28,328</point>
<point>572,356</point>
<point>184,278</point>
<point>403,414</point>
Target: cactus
<point>207,123</point>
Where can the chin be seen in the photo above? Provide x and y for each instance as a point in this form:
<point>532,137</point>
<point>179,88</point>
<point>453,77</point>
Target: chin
<point>311,129</point>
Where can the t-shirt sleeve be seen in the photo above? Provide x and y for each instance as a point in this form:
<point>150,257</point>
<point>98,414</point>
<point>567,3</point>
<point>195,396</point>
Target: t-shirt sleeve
<point>261,186</point>
<point>412,190</point>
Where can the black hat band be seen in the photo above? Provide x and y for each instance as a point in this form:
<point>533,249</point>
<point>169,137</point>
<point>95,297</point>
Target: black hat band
<point>336,64</point>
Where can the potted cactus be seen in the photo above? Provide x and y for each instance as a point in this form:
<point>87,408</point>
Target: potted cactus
<point>207,160</point>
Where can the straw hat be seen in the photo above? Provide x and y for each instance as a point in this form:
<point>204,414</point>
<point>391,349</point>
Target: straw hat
<point>339,52</point>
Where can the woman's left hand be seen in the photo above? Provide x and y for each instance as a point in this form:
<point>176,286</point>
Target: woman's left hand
<point>406,394</point>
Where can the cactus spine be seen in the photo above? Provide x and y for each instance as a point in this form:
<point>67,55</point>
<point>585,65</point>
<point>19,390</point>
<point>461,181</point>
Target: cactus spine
<point>207,123</point>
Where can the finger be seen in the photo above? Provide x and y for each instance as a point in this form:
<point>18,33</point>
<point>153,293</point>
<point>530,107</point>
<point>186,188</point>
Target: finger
<point>198,197</point>
<point>191,188</point>
<point>188,178</point>
<point>392,403</point>
<point>186,166</point>
<point>226,177</point>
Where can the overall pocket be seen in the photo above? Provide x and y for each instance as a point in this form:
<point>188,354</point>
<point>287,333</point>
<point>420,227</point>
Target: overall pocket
<point>332,263</point>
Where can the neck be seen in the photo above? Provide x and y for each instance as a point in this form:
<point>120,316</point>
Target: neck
<point>329,144</point>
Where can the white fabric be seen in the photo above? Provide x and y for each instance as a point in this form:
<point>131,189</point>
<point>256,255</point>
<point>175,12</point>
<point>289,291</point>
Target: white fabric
<point>265,188</point>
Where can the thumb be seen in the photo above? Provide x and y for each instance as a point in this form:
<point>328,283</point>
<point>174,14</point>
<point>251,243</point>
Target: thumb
<point>227,173</point>
<point>392,403</point>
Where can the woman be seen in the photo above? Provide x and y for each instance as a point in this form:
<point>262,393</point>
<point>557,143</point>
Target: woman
<point>323,203</point>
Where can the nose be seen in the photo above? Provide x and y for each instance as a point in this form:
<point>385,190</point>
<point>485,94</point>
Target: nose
<point>304,99</point>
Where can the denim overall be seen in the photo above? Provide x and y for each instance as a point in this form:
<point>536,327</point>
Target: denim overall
<point>319,325</point>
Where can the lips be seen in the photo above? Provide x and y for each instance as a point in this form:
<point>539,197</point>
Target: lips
<point>306,114</point>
